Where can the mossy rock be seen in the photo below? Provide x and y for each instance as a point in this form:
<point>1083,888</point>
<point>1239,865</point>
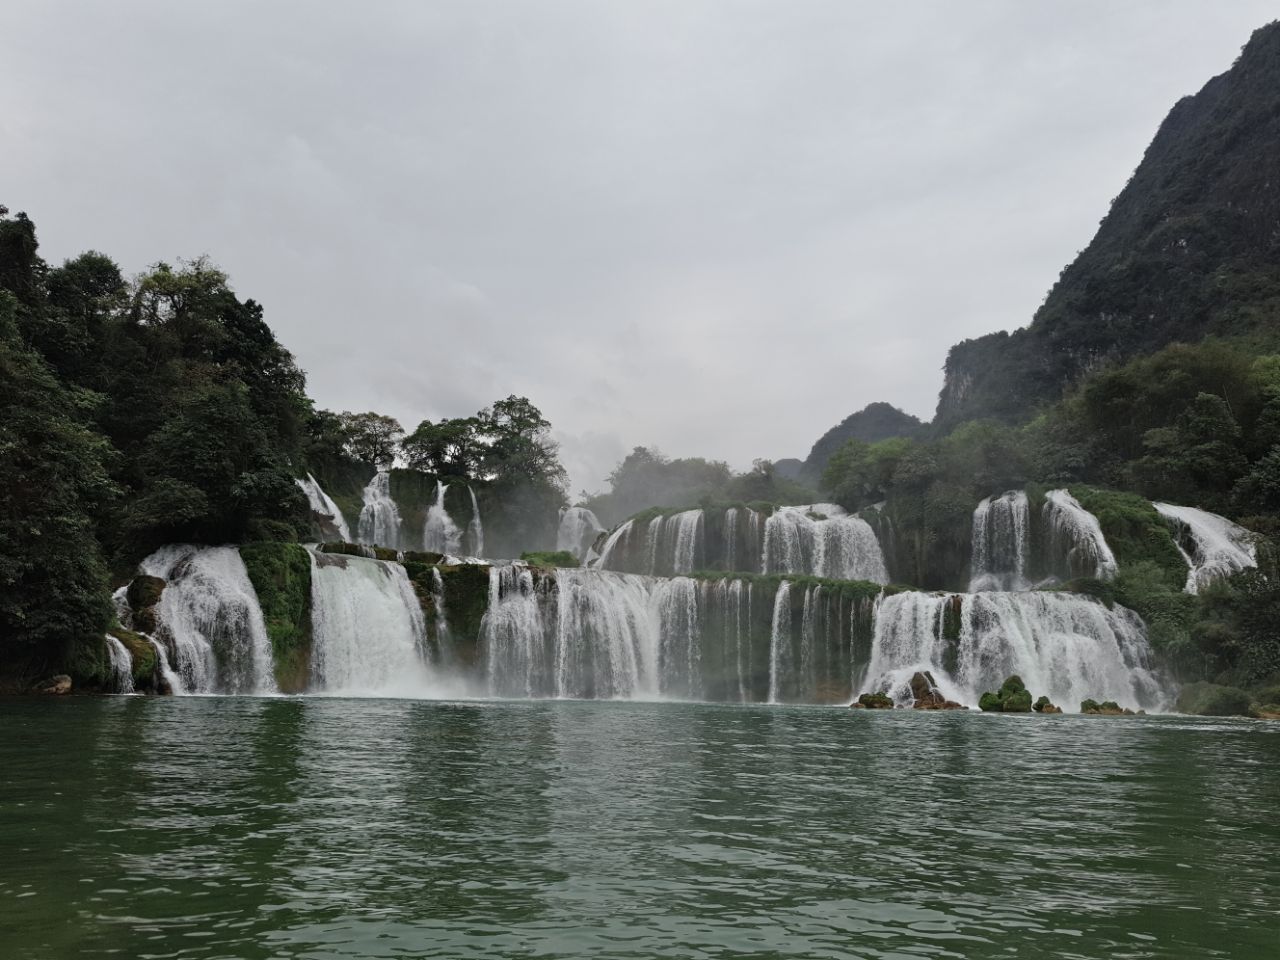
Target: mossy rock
<point>1044,705</point>
<point>873,701</point>
<point>143,655</point>
<point>144,591</point>
<point>281,577</point>
<point>421,556</point>
<point>550,558</point>
<point>1012,697</point>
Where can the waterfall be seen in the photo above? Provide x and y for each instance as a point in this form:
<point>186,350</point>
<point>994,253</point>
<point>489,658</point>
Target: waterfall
<point>1213,546</point>
<point>614,545</point>
<point>585,634</point>
<point>1066,646</point>
<point>475,529</point>
<point>1074,538</point>
<point>577,532</point>
<point>324,508</point>
<point>731,539</point>
<point>444,643</point>
<point>380,517</point>
<point>679,639</point>
<point>779,637</point>
<point>733,601</point>
<point>121,663</point>
<point>167,673</point>
<point>821,540</point>
<point>367,628</point>
<point>687,528</point>
<point>209,616</point>
<point>440,534</point>
<point>1000,544</point>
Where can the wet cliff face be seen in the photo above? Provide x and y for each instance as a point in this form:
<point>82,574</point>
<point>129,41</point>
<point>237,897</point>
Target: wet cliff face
<point>1189,249</point>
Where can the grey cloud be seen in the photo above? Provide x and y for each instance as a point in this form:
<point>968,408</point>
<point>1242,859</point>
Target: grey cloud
<point>712,227</point>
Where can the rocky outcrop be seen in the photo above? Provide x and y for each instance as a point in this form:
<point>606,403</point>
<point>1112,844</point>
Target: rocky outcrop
<point>1044,705</point>
<point>926,696</point>
<point>872,701</point>
<point>58,685</point>
<point>1012,697</point>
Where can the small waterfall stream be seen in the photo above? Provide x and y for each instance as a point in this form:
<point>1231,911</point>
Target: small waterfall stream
<point>821,540</point>
<point>324,507</point>
<point>1001,543</point>
<point>209,617</point>
<point>475,529</point>
<point>440,534</point>
<point>121,663</point>
<point>1213,546</point>
<point>577,532</point>
<point>379,517</point>
<point>1074,538</point>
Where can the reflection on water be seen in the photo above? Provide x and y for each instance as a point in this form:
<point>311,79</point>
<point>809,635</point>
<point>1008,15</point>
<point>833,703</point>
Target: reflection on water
<point>327,828</point>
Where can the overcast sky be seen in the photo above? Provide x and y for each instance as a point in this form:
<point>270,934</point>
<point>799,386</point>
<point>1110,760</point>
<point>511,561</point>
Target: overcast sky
<point>712,227</point>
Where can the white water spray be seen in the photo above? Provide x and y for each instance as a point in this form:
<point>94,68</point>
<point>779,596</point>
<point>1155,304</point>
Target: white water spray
<point>1213,546</point>
<point>380,517</point>
<point>324,507</point>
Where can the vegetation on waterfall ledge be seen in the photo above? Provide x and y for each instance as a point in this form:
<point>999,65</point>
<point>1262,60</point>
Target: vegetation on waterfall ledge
<point>281,577</point>
<point>550,558</point>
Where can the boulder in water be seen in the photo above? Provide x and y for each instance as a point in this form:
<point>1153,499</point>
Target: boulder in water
<point>873,701</point>
<point>925,693</point>
<point>1045,705</point>
<point>1012,697</point>
<point>57,685</point>
<point>1108,708</point>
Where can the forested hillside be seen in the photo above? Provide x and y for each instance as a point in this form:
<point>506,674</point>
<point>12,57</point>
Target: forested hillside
<point>1190,248</point>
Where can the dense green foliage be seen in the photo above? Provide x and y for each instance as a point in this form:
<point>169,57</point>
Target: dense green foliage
<point>55,491</point>
<point>646,480</point>
<point>874,422</point>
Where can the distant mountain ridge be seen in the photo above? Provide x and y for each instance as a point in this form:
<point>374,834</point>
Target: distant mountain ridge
<point>874,422</point>
<point>1190,248</point>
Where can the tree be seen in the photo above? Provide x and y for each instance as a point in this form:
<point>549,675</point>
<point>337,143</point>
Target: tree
<point>53,581</point>
<point>371,437</point>
<point>450,448</point>
<point>518,444</point>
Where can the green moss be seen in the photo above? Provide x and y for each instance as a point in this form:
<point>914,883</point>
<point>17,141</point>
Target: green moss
<point>550,558</point>
<point>421,556</point>
<point>1012,697</point>
<point>143,655</point>
<point>845,589</point>
<point>144,591</point>
<point>466,597</point>
<point>281,576</point>
<point>361,550</point>
<point>1135,532</point>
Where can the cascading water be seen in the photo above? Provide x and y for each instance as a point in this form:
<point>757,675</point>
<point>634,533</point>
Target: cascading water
<point>368,632</point>
<point>679,639</point>
<point>687,528</point>
<point>440,534</point>
<point>779,640</point>
<point>324,507</point>
<point>475,529</point>
<point>1074,539</point>
<point>577,532</point>
<point>1213,546</point>
<point>614,545</point>
<point>1066,646</point>
<point>444,642</point>
<point>821,540</point>
<point>1000,543</point>
<point>380,517</point>
<point>121,663</point>
<point>588,634</point>
<point>168,676</point>
<point>209,616</point>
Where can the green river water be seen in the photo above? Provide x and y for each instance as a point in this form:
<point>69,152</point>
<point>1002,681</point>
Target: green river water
<point>326,828</point>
